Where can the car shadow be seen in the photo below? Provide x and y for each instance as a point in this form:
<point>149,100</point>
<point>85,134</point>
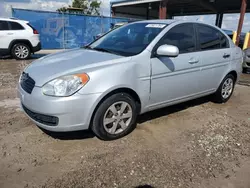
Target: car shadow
<point>74,135</point>
<point>86,134</point>
<point>144,186</point>
<point>37,56</point>
<point>33,56</point>
<point>172,109</point>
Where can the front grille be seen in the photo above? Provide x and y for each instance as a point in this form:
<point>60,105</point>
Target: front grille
<point>44,119</point>
<point>27,83</point>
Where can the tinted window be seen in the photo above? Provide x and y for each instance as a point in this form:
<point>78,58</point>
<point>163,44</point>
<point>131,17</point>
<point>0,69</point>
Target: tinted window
<point>4,25</point>
<point>211,39</point>
<point>15,26</point>
<point>224,41</point>
<point>182,36</point>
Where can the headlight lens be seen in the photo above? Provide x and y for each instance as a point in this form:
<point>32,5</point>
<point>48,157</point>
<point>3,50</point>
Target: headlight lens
<point>66,85</point>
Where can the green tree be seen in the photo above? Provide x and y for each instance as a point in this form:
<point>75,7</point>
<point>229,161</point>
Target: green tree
<point>82,7</point>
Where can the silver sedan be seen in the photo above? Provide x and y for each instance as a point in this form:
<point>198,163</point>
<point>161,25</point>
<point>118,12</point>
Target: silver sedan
<point>131,70</point>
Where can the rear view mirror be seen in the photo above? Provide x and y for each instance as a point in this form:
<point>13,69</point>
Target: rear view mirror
<point>167,50</point>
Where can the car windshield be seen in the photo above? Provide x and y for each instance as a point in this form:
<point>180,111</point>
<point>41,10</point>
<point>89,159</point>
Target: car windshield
<point>128,40</point>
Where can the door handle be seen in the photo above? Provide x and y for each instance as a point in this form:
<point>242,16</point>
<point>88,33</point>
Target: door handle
<point>193,61</point>
<point>226,55</point>
<point>10,33</point>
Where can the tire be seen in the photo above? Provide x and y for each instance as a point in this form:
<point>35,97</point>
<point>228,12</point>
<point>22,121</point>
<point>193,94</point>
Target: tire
<point>244,70</point>
<point>20,51</point>
<point>219,97</point>
<point>116,126</point>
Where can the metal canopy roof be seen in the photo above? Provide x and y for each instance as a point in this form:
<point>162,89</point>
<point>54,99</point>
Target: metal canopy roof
<point>187,7</point>
<point>119,3</point>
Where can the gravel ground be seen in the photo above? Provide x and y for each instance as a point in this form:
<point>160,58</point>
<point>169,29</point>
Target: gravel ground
<point>195,144</point>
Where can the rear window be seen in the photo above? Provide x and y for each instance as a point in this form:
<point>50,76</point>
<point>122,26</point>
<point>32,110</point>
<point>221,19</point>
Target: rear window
<point>15,26</point>
<point>4,25</point>
<point>31,26</point>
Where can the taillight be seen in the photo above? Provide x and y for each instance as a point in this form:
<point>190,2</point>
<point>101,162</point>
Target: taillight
<point>35,31</point>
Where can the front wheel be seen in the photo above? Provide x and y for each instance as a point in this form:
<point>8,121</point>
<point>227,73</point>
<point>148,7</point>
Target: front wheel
<point>115,117</point>
<point>225,91</point>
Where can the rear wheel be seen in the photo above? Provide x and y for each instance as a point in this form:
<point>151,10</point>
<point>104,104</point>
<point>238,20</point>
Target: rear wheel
<point>225,90</point>
<point>115,117</point>
<point>20,51</point>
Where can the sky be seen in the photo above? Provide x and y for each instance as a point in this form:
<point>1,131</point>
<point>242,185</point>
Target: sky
<point>230,21</point>
<point>49,5</point>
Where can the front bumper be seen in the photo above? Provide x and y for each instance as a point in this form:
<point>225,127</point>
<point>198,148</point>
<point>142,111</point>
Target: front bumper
<point>66,113</point>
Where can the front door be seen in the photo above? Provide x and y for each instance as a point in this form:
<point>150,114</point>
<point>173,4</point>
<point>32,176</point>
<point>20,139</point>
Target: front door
<point>175,79</point>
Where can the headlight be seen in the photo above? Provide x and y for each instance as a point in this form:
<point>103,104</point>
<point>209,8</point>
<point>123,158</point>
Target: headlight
<point>66,85</point>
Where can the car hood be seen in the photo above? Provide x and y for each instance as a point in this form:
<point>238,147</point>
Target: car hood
<point>68,62</point>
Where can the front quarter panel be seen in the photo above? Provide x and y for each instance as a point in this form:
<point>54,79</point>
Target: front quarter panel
<point>132,74</point>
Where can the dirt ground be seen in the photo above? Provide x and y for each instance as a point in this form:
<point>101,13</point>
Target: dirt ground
<point>195,144</point>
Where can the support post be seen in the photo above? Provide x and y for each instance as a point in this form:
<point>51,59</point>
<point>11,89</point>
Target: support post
<point>219,19</point>
<point>234,37</point>
<point>113,11</point>
<point>240,24</point>
<point>248,45</point>
<point>246,42</point>
<point>147,13</point>
<point>163,9</point>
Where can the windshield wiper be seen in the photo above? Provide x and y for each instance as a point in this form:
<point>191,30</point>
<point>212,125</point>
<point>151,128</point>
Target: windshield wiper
<point>103,50</point>
<point>87,47</point>
<point>106,50</point>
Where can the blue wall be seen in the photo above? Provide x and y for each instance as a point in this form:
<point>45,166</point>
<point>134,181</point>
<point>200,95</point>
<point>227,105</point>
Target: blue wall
<point>65,30</point>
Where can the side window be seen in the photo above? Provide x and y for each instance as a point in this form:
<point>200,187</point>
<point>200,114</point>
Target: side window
<point>15,26</point>
<point>182,36</point>
<point>224,41</point>
<point>4,26</point>
<point>210,38</point>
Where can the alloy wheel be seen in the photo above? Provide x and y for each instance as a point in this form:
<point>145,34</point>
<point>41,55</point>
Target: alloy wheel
<point>227,88</point>
<point>117,117</point>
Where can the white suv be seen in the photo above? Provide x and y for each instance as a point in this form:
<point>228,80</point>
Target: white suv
<point>18,38</point>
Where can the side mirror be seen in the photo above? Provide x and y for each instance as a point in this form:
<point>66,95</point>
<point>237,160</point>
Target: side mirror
<point>167,50</point>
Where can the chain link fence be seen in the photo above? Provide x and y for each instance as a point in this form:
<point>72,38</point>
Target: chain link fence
<point>59,30</point>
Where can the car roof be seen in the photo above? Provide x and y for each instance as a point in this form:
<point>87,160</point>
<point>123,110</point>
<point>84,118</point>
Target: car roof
<point>170,21</point>
<point>12,19</point>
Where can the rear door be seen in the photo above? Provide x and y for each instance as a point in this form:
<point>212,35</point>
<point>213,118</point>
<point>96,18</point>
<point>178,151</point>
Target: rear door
<point>17,31</point>
<point>5,36</point>
<point>216,56</point>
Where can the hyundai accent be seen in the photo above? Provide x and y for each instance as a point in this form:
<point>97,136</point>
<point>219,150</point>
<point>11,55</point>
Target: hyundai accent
<point>134,69</point>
